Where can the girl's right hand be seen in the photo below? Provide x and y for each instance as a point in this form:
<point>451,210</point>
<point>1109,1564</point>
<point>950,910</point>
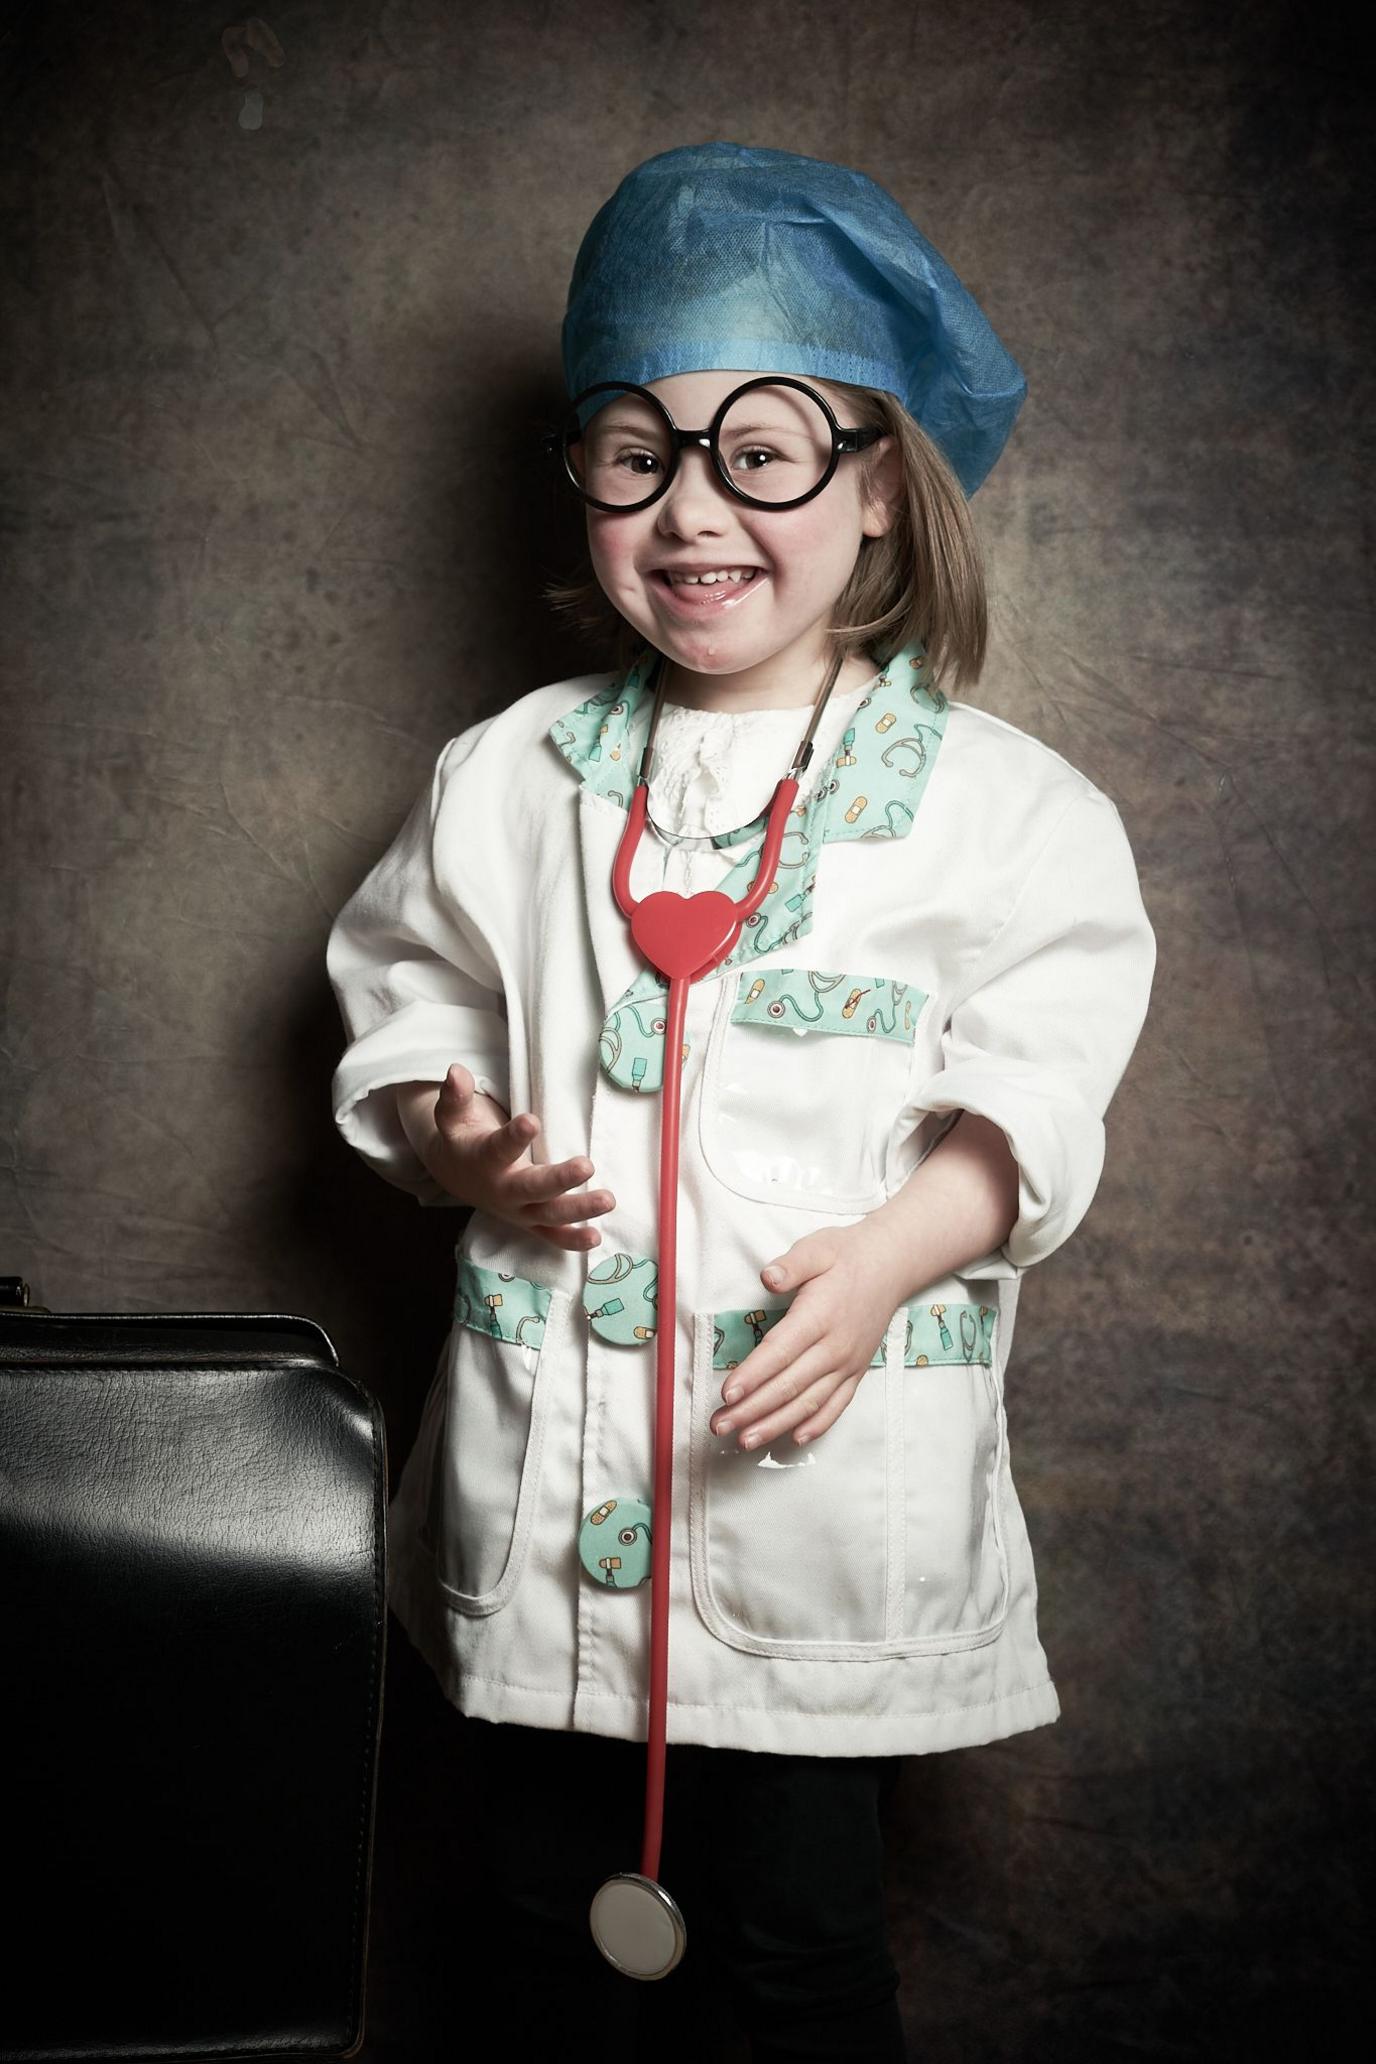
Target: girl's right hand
<point>489,1166</point>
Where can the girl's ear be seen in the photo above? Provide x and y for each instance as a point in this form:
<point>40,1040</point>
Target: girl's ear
<point>885,488</point>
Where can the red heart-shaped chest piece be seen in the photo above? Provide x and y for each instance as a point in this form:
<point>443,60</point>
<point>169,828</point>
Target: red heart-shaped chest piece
<point>685,935</point>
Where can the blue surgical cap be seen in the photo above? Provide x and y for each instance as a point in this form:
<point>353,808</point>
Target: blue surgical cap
<point>717,256</point>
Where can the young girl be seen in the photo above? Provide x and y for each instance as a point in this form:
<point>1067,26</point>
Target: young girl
<point>892,1089</point>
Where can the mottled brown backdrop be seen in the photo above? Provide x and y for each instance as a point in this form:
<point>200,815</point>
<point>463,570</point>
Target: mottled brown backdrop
<point>275,348</point>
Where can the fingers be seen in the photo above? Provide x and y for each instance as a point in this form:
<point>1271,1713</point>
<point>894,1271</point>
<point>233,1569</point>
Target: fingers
<point>461,1105</point>
<point>830,1412</point>
<point>567,1211</point>
<point>534,1195</point>
<point>506,1143</point>
<point>794,1352</point>
<point>542,1190</point>
<point>536,1192</point>
<point>574,1241</point>
<point>454,1098</point>
<point>810,1413</point>
<point>542,1184</point>
<point>454,1107</point>
<point>771,1403</point>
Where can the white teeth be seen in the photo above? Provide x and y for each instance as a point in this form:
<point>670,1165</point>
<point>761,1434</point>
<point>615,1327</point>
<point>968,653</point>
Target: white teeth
<point>707,580</point>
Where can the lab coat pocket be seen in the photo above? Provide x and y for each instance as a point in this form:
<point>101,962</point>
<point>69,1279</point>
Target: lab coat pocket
<point>487,1460</point>
<point>789,1547</point>
<point>881,1538</point>
<point>954,1440</point>
<point>805,1075</point>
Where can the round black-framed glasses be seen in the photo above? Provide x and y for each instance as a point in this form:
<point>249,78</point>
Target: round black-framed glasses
<point>808,445</point>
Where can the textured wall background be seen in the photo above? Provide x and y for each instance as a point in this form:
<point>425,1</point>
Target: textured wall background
<point>271,344</point>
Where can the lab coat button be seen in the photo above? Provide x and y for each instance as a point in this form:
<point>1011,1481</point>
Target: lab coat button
<point>621,1299</point>
<point>614,1543</point>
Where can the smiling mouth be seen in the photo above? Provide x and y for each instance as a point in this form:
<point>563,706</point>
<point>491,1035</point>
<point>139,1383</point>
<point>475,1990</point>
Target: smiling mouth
<point>729,573</point>
<point>715,590</point>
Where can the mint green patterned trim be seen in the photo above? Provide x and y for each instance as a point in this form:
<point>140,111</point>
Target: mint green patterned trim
<point>869,788</point>
<point>935,1334</point>
<point>631,1048</point>
<point>939,1334</point>
<point>806,999</point>
<point>599,737</point>
<point>505,1307</point>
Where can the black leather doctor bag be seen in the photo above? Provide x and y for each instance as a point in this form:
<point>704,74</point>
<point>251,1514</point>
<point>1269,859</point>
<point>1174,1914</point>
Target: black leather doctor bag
<point>193,1563</point>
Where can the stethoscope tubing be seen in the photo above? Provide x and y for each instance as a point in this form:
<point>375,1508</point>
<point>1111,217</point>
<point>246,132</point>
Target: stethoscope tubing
<point>666,1335</point>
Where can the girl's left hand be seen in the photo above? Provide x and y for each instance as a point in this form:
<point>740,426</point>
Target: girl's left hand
<point>846,1287</point>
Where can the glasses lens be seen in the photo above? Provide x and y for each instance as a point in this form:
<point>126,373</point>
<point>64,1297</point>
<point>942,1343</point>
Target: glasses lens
<point>775,443</point>
<point>622,455</point>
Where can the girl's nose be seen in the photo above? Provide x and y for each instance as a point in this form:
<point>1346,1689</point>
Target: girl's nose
<point>695,500</point>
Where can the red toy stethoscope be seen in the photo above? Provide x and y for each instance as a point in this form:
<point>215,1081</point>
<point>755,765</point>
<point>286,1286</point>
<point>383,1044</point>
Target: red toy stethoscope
<point>637,1925</point>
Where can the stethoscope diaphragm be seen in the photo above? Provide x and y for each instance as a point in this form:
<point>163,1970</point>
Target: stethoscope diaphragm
<point>637,1926</point>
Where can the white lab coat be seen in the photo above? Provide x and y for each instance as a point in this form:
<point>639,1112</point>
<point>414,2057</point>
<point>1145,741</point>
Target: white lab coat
<point>873,1592</point>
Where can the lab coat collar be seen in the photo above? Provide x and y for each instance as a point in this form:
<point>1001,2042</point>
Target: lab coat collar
<point>869,789</point>
<point>870,786</point>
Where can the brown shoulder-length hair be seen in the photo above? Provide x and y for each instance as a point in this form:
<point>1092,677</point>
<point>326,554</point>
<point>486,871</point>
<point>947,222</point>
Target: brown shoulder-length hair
<point>921,581</point>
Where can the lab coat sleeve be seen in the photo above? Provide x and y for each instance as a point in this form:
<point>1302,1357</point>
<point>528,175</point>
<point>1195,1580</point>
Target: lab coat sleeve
<point>1041,1035</point>
<point>418,988</point>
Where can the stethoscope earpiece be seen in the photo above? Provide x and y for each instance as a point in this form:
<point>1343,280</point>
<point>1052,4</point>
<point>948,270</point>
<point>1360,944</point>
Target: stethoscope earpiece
<point>637,1926</point>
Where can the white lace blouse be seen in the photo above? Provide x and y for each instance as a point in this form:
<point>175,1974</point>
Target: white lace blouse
<point>716,770</point>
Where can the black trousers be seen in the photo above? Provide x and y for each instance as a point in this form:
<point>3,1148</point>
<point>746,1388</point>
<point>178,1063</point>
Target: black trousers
<point>776,1862</point>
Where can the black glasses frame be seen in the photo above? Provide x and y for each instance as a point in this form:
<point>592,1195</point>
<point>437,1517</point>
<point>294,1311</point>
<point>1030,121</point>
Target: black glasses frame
<point>557,442</point>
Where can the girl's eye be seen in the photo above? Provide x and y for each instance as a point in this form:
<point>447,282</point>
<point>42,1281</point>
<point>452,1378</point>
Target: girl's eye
<point>747,458</point>
<point>642,462</point>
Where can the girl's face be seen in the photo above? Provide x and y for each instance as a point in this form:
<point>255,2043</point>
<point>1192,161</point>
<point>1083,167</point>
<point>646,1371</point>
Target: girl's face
<point>763,636</point>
